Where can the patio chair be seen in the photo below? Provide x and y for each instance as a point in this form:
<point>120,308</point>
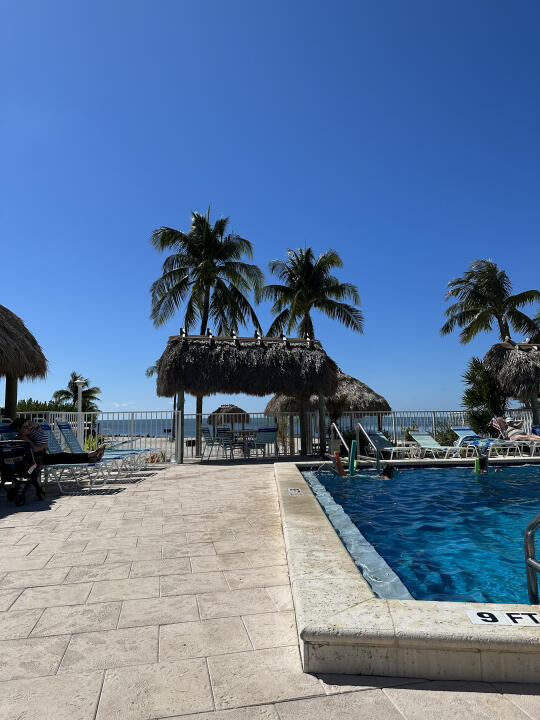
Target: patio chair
<point>430,446</point>
<point>493,446</point>
<point>264,437</point>
<point>210,441</point>
<point>518,445</point>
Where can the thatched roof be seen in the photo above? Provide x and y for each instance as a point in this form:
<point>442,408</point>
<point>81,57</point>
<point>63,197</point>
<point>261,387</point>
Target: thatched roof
<point>224,413</point>
<point>516,367</point>
<point>351,395</point>
<point>20,354</point>
<point>202,365</point>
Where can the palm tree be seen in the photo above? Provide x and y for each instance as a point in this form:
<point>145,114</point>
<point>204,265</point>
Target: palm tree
<point>482,397</point>
<point>69,396</point>
<point>483,298</point>
<point>206,272</point>
<point>307,284</point>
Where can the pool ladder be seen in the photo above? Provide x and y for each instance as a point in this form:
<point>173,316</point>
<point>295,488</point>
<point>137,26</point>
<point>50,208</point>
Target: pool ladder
<point>531,563</point>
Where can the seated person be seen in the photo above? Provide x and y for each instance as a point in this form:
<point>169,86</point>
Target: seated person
<point>37,438</point>
<point>511,430</point>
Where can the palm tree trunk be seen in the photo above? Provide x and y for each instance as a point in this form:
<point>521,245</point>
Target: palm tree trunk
<point>199,403</point>
<point>504,329</point>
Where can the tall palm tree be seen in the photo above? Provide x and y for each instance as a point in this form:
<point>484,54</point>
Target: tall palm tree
<point>307,284</point>
<point>205,272</point>
<point>69,396</point>
<point>483,298</point>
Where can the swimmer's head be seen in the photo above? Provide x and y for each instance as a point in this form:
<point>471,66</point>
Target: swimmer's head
<point>387,472</point>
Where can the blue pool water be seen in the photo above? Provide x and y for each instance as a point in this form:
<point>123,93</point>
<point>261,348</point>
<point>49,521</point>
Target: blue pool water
<point>448,533</point>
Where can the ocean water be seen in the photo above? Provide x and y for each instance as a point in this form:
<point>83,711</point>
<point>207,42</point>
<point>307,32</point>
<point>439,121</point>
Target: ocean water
<point>448,533</point>
<point>161,427</point>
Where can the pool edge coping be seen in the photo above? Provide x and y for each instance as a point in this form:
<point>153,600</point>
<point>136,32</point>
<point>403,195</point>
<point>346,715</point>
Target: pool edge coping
<point>343,627</point>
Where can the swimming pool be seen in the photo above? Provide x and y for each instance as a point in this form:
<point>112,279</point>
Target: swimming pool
<point>448,533</point>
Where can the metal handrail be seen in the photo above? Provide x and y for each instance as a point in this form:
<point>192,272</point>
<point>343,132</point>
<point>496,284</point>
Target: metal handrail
<point>531,563</point>
<point>334,427</point>
<point>359,426</point>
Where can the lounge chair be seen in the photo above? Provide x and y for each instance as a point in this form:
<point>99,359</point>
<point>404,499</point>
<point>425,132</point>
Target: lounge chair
<point>380,445</point>
<point>119,459</point>
<point>429,445</point>
<point>223,439</point>
<point>264,437</point>
<point>518,445</point>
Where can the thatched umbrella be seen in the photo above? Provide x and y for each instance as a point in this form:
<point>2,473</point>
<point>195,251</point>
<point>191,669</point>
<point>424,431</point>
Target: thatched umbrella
<point>516,367</point>
<point>203,365</point>
<point>351,395</point>
<point>228,413</point>
<point>20,356</point>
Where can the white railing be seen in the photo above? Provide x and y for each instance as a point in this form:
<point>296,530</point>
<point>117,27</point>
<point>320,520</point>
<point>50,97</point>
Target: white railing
<point>160,429</point>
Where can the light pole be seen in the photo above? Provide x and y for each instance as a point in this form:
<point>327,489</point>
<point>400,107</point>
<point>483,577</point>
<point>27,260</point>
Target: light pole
<point>80,382</point>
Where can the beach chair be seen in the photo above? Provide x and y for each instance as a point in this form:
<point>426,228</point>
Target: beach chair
<point>430,446</point>
<point>117,459</point>
<point>264,437</point>
<point>210,441</point>
<point>381,445</point>
<point>517,445</point>
<point>77,471</point>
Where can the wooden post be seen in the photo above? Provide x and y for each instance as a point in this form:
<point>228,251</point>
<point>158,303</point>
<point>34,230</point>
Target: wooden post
<point>11,397</point>
<point>322,426</point>
<point>303,428</point>
<point>292,449</point>
<point>179,422</point>
<point>534,408</point>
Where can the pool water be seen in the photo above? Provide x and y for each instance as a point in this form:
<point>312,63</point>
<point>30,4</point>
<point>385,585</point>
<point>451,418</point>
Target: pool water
<point>448,533</point>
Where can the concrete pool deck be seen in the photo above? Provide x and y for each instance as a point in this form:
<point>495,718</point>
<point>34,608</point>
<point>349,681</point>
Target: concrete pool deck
<point>170,598</point>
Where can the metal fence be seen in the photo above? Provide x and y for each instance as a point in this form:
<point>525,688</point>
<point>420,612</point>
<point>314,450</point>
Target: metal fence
<point>160,429</point>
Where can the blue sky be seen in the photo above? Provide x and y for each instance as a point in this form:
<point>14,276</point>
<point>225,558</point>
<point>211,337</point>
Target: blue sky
<point>402,134</point>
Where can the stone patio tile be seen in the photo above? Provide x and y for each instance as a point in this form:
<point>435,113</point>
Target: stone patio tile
<point>369,705</point>
<point>265,559</point>
<point>234,561</point>
<point>130,589</point>
<point>91,573</point>
<point>60,546</point>
<point>110,543</point>
<point>450,700</point>
<point>30,658</point>
<point>20,550</point>
<point>197,536</point>
<point>71,697</point>
<point>17,623</point>
<point>129,554</point>
<point>281,597</point>
<point>234,602</point>
<point>77,559</point>
<point>525,696</point>
<point>171,550</point>
<point>193,584</point>
<point>146,692</point>
<point>172,566</point>
<point>31,562</point>
<point>112,648</point>
<point>257,712</point>
<point>8,597</point>
<point>224,547</point>
<point>257,577</point>
<point>200,639</point>
<point>34,578</point>
<point>52,595</point>
<point>77,619</point>
<point>260,676</point>
<point>267,630</point>
<point>159,611</point>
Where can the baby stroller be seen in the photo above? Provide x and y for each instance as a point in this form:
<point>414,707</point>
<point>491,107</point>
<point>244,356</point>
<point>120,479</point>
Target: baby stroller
<point>18,467</point>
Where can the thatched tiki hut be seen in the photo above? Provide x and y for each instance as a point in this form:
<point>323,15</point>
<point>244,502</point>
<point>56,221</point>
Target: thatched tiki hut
<point>20,356</point>
<point>351,395</point>
<point>206,365</point>
<point>225,414</point>
<point>516,367</point>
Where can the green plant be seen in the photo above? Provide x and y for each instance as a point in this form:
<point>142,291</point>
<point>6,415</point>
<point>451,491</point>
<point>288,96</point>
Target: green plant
<point>93,441</point>
<point>406,432</point>
<point>482,397</point>
<point>444,435</point>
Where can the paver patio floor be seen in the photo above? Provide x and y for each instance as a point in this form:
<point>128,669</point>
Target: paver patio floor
<point>169,597</point>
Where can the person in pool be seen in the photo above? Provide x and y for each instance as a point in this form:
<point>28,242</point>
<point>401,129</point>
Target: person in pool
<point>387,473</point>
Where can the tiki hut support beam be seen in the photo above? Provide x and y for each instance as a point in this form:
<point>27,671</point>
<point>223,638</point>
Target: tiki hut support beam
<point>322,426</point>
<point>11,396</point>
<point>291,434</point>
<point>179,423</point>
<point>303,428</point>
